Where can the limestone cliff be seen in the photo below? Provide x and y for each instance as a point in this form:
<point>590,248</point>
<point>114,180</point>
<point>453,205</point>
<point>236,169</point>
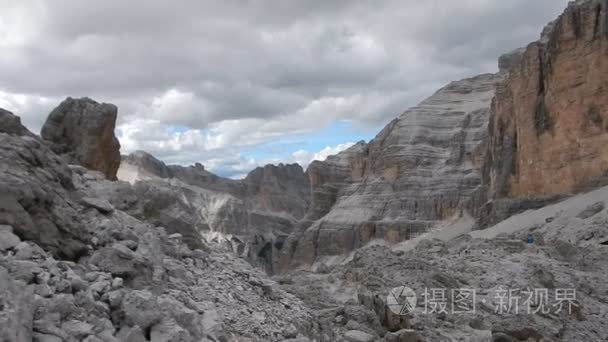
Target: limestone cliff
<point>549,128</point>
<point>329,176</point>
<point>422,168</point>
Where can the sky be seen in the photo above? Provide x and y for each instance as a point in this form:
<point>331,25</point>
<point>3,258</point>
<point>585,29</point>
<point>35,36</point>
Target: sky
<point>239,84</point>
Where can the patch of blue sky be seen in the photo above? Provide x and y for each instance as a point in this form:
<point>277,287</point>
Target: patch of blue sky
<point>337,133</point>
<point>178,129</point>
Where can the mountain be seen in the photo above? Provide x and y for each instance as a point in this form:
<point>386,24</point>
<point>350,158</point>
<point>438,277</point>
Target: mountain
<point>253,216</point>
<point>488,146</point>
<point>422,168</point>
<point>492,187</point>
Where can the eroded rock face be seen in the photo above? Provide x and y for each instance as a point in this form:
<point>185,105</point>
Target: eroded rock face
<point>11,124</point>
<point>422,168</point>
<point>282,188</point>
<point>253,215</point>
<point>35,191</point>
<point>327,177</point>
<point>549,130</point>
<point>84,130</point>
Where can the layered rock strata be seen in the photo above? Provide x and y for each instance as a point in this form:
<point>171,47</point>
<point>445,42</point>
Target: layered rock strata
<point>422,168</point>
<point>549,128</point>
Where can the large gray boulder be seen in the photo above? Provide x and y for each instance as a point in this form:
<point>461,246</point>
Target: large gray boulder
<point>84,130</point>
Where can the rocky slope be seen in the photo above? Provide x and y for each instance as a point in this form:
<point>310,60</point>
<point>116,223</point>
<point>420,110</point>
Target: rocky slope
<point>75,267</point>
<point>569,253</point>
<point>424,167</point>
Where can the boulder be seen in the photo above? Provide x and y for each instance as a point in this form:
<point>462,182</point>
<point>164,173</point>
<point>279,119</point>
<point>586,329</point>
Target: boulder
<point>591,210</point>
<point>8,240</point>
<point>84,130</point>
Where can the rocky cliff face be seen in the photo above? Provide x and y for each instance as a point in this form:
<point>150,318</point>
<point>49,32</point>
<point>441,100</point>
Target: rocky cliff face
<point>328,177</point>
<point>84,130</point>
<point>254,215</point>
<point>36,192</point>
<point>282,188</point>
<point>422,168</point>
<point>549,128</point>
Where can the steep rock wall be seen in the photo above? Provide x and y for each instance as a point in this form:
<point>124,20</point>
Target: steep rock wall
<point>549,128</point>
<point>421,168</point>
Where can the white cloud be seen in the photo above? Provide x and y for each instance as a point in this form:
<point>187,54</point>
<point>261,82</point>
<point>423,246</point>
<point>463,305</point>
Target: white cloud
<point>206,79</point>
<point>33,110</point>
<point>304,157</point>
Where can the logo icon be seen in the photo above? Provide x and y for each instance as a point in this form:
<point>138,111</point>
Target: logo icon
<point>401,300</point>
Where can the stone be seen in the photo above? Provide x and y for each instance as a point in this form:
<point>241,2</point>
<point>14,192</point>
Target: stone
<point>403,335</point>
<point>591,210</point>
<point>8,240</point>
<point>169,331</point>
<point>84,130</point>
<point>141,309</point>
<point>102,205</point>
<point>29,251</point>
<point>114,298</point>
<point>45,338</point>
<point>211,323</point>
<point>131,334</point>
<point>117,283</point>
<point>290,331</point>
<point>358,336</point>
<point>121,261</point>
<point>77,329</point>
<point>16,309</point>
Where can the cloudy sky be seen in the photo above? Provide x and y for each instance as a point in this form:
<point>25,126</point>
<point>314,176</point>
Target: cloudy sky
<point>235,84</point>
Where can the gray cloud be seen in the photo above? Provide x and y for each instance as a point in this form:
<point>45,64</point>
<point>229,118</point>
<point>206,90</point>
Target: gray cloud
<point>284,66</point>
